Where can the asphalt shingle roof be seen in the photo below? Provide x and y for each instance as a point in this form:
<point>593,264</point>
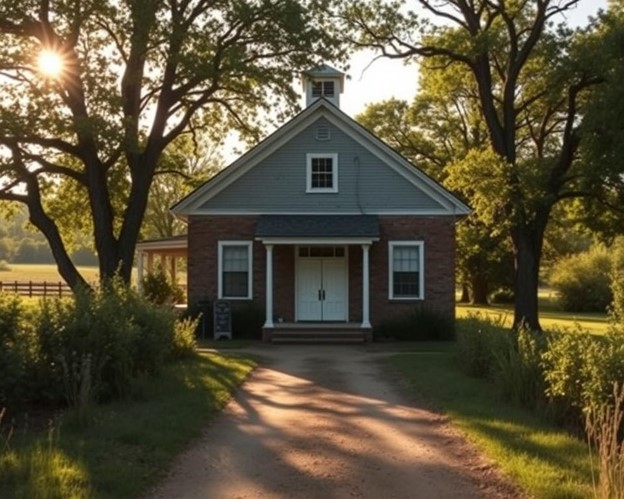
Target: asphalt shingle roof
<point>317,226</point>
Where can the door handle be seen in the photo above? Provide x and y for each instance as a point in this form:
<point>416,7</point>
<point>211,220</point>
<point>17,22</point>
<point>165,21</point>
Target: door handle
<point>320,296</point>
<point>323,291</point>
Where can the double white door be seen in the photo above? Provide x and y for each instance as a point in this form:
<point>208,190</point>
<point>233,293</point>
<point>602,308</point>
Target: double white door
<point>322,289</point>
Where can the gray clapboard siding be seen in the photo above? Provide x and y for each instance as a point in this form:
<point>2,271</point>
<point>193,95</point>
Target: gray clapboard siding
<point>365,185</point>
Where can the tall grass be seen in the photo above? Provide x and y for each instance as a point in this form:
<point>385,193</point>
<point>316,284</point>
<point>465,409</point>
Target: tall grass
<point>603,424</point>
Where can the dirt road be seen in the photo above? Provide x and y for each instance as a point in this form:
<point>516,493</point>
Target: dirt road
<point>328,422</point>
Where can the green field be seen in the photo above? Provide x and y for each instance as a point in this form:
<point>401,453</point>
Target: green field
<point>550,315</point>
<point>41,272</point>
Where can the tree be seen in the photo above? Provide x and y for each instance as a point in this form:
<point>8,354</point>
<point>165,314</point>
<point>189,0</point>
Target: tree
<point>441,126</point>
<point>134,76</point>
<point>182,168</point>
<point>603,147</point>
<point>532,82</point>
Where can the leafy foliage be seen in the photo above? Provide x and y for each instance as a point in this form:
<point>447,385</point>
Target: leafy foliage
<point>84,145</point>
<point>530,81</point>
<point>160,289</point>
<point>91,348</point>
<point>583,281</point>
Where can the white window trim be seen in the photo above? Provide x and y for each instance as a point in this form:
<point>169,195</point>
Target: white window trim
<point>421,269</point>
<point>223,244</point>
<point>323,93</point>
<point>309,158</point>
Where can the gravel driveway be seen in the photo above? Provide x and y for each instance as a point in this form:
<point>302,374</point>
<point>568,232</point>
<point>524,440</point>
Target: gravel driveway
<point>328,422</point>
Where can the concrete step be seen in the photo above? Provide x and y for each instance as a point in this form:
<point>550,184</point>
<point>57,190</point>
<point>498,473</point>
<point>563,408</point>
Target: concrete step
<point>318,336</point>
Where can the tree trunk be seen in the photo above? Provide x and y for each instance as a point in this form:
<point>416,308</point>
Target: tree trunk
<point>527,254</point>
<point>479,288</point>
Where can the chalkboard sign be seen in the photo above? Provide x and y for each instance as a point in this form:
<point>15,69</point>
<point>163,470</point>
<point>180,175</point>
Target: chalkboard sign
<point>222,320</point>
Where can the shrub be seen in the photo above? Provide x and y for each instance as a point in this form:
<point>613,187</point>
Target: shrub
<point>4,265</point>
<point>503,296</point>
<point>518,371</point>
<point>583,281</point>
<point>184,343</point>
<point>17,351</point>
<point>479,343</point>
<point>580,371</point>
<point>159,289</point>
<point>420,324</point>
<point>617,284</point>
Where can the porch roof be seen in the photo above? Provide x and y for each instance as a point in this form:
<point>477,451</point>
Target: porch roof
<point>322,226</point>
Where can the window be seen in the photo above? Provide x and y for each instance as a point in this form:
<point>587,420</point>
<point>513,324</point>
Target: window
<point>322,173</point>
<point>235,269</point>
<point>406,270</point>
<point>323,89</point>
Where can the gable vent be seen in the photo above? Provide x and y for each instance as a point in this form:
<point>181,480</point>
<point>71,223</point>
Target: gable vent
<point>323,133</point>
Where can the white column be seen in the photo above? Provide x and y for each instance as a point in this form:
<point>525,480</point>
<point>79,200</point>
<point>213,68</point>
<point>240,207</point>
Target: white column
<point>269,286</point>
<point>140,271</point>
<point>365,287</point>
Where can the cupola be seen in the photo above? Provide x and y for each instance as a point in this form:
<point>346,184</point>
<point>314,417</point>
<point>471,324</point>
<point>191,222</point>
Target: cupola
<point>323,81</point>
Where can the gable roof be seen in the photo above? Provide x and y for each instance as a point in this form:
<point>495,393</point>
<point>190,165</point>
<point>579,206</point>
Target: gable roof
<point>321,108</point>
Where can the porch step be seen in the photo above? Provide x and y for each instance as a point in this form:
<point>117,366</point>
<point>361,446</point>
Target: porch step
<point>319,336</point>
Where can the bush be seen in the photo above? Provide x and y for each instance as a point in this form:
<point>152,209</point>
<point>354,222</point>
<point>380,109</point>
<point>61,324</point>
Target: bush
<point>479,343</point>
<point>17,351</point>
<point>518,372</point>
<point>502,296</point>
<point>420,324</point>
<point>159,289</point>
<point>184,343</point>
<point>583,281</point>
<point>4,265</point>
<point>95,346</point>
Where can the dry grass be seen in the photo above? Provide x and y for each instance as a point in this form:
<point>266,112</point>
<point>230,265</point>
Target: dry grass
<point>41,272</point>
<point>604,434</point>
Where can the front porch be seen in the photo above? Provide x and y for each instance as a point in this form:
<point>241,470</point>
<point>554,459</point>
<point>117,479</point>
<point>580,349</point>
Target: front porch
<point>327,277</point>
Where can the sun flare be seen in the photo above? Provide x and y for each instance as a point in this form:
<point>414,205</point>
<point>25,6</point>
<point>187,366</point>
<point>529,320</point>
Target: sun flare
<point>50,63</point>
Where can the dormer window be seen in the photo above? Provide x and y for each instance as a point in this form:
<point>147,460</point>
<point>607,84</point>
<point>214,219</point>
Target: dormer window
<point>323,89</point>
<point>322,172</point>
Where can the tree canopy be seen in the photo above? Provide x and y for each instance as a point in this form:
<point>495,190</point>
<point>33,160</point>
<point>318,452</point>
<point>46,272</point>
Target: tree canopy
<point>533,79</point>
<point>133,76</point>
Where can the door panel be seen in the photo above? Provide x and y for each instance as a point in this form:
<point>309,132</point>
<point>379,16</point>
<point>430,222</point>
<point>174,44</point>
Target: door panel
<point>309,307</point>
<point>329,276</point>
<point>334,285</point>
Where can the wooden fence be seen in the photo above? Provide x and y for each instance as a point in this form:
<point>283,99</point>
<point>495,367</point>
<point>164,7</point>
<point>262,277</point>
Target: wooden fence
<point>33,288</point>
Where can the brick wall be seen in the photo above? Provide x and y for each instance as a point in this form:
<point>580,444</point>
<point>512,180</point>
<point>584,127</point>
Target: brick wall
<point>204,233</point>
<point>438,234</point>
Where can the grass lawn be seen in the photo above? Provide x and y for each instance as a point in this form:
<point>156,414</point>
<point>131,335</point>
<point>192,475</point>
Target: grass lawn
<point>544,461</point>
<point>550,315</point>
<point>129,445</point>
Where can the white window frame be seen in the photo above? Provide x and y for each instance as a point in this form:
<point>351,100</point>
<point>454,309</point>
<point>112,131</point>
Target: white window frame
<point>223,244</point>
<point>323,92</point>
<point>309,157</point>
<point>421,269</point>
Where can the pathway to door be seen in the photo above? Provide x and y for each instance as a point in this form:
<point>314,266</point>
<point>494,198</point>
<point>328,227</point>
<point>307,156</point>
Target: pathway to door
<point>328,422</point>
